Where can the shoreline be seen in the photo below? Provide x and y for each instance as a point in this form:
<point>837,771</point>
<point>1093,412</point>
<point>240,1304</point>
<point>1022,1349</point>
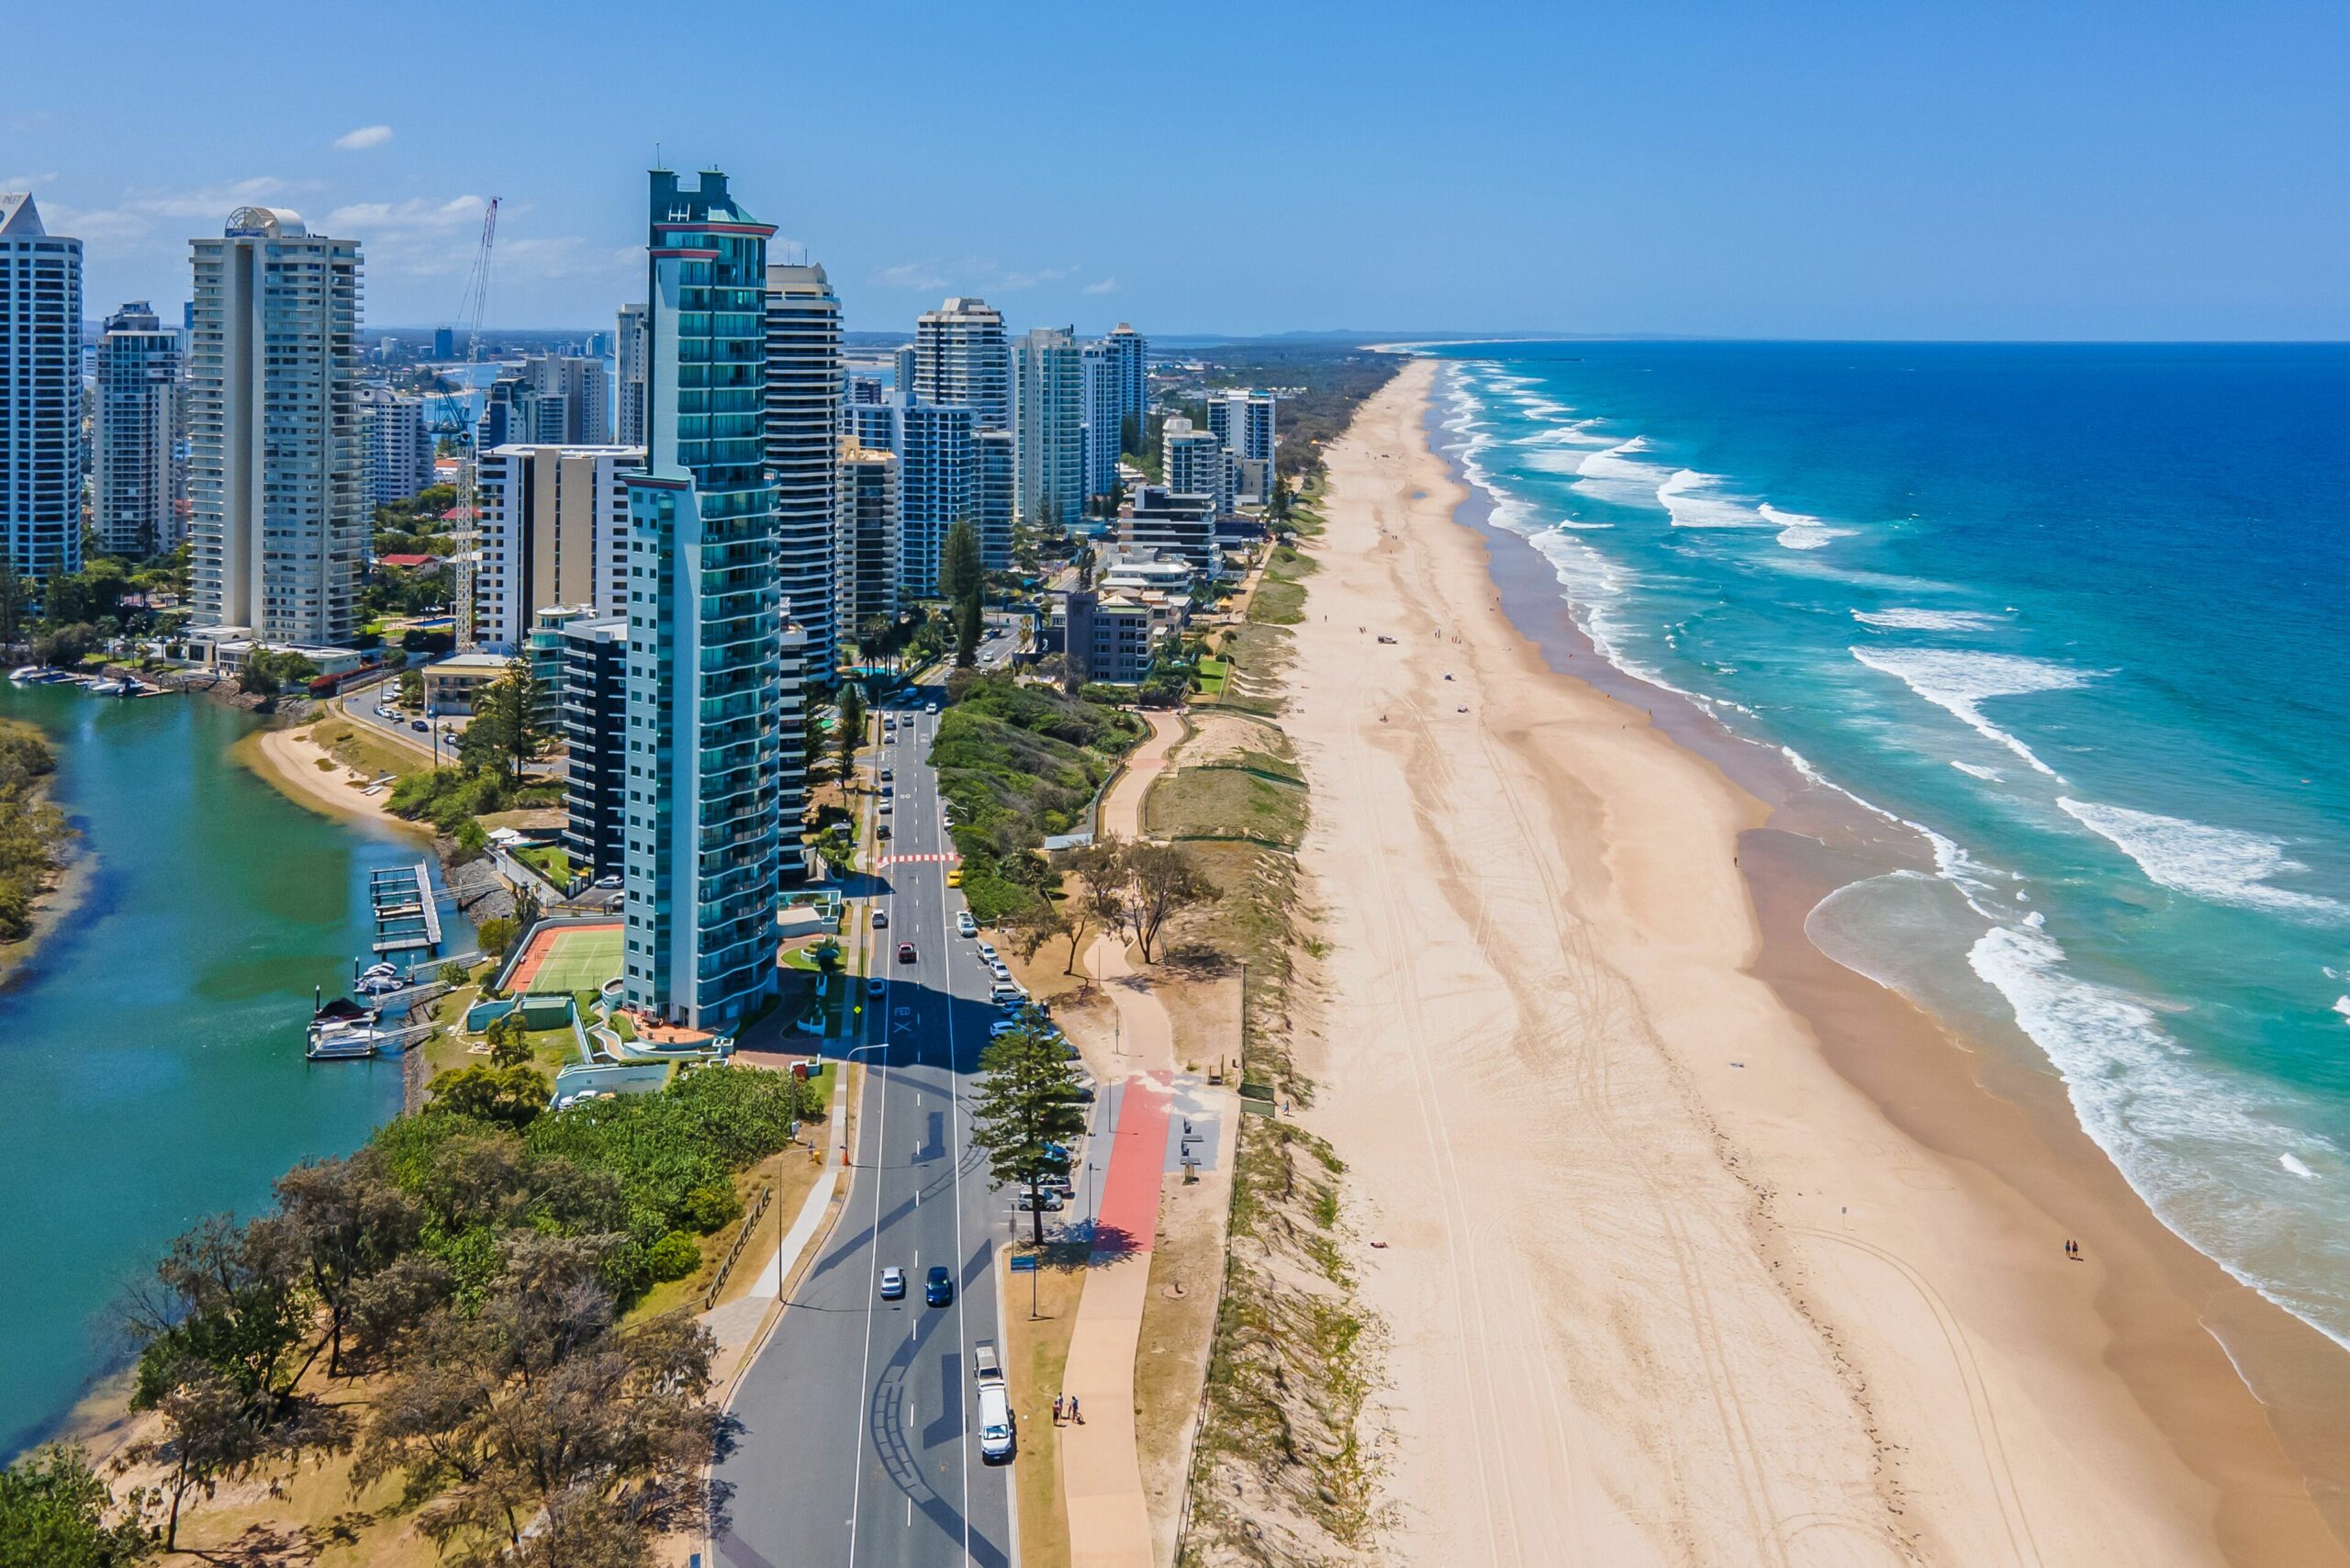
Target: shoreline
<point>1748,1250</point>
<point>57,903</point>
<point>2176,1320</point>
<point>289,760</point>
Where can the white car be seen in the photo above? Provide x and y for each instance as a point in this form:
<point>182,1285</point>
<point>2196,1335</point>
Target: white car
<point>1002,971</point>
<point>964,924</point>
<point>986,951</point>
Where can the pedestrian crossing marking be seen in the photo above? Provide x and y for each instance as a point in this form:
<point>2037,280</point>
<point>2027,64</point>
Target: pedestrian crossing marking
<point>888,860</point>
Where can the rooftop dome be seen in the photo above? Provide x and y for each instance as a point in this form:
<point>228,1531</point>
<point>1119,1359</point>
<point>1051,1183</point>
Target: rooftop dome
<point>268,222</point>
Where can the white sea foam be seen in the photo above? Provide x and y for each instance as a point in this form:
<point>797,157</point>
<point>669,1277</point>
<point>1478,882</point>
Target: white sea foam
<point>1798,530</point>
<point>1619,462</point>
<point>2342,1005</point>
<point>1960,682</point>
<point>2297,1168</point>
<point>1976,770</point>
<point>2217,863</point>
<point>1927,620</point>
<point>1695,500</point>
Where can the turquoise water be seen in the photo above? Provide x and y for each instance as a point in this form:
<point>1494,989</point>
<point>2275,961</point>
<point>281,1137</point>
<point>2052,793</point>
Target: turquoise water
<point>152,1051</point>
<point>2079,615</point>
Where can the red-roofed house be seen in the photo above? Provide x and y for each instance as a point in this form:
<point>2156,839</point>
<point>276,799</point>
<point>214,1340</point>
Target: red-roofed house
<point>407,562</point>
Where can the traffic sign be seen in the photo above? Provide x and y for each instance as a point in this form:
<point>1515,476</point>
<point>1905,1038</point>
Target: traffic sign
<point>1023,1263</point>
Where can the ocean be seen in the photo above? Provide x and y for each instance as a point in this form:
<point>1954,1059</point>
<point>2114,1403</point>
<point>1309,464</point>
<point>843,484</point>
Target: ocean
<point>2072,620</point>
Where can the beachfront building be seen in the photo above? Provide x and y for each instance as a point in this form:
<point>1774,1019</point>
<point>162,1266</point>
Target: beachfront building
<point>868,534</point>
<point>1109,637</point>
<point>791,749</point>
<point>961,356</point>
<point>277,458</point>
<point>593,721</point>
<point>40,392</point>
<point>1048,422</point>
<point>554,530</point>
<point>399,444</point>
<point>138,489</point>
<point>705,699</point>
<point>1174,525</point>
<point>628,377</point>
<point>995,495</point>
<point>1244,421</point>
<point>937,478</point>
<point>1195,464</point>
<point>1129,353</point>
<point>802,417</point>
<point>1104,419</point>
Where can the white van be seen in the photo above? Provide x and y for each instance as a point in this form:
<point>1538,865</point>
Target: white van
<point>998,1431</point>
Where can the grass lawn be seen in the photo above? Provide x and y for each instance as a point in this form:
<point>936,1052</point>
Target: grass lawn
<point>549,862</point>
<point>355,746</point>
<point>1226,801</point>
<point>1036,1353</point>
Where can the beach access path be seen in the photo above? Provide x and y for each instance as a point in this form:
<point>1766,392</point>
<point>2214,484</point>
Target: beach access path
<point>1660,1285</point>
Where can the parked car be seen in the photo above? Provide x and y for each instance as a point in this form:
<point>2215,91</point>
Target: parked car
<point>939,1288</point>
<point>888,774</point>
<point>986,951</point>
<point>893,1284</point>
<point>612,881</point>
<point>883,807</point>
<point>1045,1199</point>
<point>964,924</point>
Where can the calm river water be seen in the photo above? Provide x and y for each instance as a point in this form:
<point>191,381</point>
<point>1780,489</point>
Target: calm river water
<point>151,1054</point>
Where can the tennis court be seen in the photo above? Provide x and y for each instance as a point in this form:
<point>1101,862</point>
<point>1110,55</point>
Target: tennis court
<point>565,958</point>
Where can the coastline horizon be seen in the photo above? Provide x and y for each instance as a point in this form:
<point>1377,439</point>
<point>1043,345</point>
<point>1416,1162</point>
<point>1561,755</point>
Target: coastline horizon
<point>2132,1337</point>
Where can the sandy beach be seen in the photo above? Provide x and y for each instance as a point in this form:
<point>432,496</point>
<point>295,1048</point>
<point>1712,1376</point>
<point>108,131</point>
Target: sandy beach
<point>291,760</point>
<point>1693,1247</point>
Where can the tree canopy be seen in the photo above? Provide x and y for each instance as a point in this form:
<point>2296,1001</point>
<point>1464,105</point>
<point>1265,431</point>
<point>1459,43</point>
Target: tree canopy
<point>1026,1110</point>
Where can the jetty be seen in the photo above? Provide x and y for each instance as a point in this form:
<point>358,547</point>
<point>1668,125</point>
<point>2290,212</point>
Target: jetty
<point>407,917</point>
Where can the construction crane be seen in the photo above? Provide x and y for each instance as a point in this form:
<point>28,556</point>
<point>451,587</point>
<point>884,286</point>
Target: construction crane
<point>450,418</point>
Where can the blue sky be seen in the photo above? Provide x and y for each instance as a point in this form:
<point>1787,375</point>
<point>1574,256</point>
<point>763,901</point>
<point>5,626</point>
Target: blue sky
<point>1876,169</point>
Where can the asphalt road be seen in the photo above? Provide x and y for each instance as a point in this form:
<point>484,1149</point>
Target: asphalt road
<point>860,1445</point>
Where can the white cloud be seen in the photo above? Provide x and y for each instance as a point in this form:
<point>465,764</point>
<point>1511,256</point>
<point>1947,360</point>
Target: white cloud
<point>1107,286</point>
<point>911,274</point>
<point>367,136</point>
<point>26,182</point>
<point>1005,281</point>
<point>418,215</point>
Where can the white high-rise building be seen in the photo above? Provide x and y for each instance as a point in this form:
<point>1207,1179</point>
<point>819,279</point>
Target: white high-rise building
<point>1244,423</point>
<point>1195,464</point>
<point>627,358</point>
<point>554,531</point>
<point>960,356</point>
<point>1129,353</point>
<point>803,416</point>
<point>399,444</point>
<point>40,392</point>
<point>902,369</point>
<point>1049,419</point>
<point>1104,414</point>
<point>135,435</point>
<point>277,462</point>
<point>868,534</point>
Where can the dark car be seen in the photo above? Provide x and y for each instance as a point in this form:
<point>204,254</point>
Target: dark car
<point>905,952</point>
<point>939,1288</point>
<point>419,727</point>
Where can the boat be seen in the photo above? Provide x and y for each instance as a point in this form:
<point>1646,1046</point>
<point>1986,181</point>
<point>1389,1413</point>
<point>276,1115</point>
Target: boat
<point>25,675</point>
<point>341,1029</point>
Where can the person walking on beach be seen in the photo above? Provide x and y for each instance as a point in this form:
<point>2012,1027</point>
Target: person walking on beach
<point>1057,1409</point>
<point>1073,1415</point>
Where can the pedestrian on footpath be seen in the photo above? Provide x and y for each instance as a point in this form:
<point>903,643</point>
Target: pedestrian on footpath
<point>1057,1409</point>
<point>1073,1411</point>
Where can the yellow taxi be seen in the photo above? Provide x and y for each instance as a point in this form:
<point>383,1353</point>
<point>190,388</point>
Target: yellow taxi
<point>954,877</point>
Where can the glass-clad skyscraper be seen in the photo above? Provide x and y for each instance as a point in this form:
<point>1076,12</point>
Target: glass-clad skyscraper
<point>706,628</point>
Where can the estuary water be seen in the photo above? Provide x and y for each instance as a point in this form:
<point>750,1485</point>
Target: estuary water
<point>2078,614</point>
<point>151,1053</point>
